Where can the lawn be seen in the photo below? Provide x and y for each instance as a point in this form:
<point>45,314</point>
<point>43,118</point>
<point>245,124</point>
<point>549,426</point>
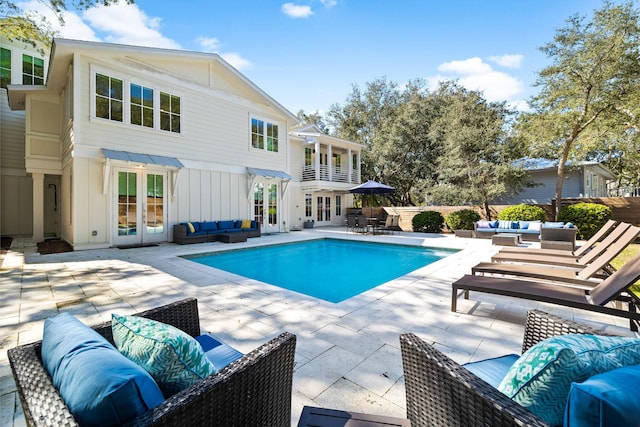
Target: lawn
<point>629,252</point>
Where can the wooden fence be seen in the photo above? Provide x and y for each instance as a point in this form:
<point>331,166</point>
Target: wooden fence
<point>625,209</point>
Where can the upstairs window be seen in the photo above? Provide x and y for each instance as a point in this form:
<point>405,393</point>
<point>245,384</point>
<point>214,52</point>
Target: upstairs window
<point>5,67</point>
<point>108,98</point>
<point>32,70</point>
<point>141,106</point>
<point>262,131</point>
<point>169,112</point>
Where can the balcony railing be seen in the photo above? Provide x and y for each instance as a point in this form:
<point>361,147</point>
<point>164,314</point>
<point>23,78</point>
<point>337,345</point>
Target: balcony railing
<point>338,174</point>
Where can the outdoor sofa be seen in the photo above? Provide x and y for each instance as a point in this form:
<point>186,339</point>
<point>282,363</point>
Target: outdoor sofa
<point>441,392</point>
<point>530,231</point>
<point>253,390</point>
<point>214,231</point>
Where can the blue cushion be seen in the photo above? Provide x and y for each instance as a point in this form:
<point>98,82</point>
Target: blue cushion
<point>492,370</point>
<point>541,379</point>
<point>208,226</point>
<point>505,224</point>
<point>100,386</point>
<point>197,233</point>
<point>569,225</point>
<point>523,225</point>
<point>219,353</point>
<point>607,399</point>
<point>224,225</point>
<point>553,224</point>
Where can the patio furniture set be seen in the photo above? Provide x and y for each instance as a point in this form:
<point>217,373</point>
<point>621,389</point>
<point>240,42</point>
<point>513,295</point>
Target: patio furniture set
<point>589,377</point>
<point>359,223</point>
<point>551,235</point>
<point>231,231</point>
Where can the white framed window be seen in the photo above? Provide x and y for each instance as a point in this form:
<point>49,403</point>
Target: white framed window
<point>264,135</point>
<point>32,70</point>
<point>5,67</point>
<point>169,112</point>
<point>109,98</point>
<point>141,105</point>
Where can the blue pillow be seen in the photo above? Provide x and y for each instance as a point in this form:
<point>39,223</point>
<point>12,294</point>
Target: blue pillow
<point>208,226</point>
<point>553,224</point>
<point>541,379</point>
<point>607,399</point>
<point>225,225</point>
<point>492,370</point>
<point>100,386</point>
<point>523,225</point>
<point>218,353</point>
<point>569,225</point>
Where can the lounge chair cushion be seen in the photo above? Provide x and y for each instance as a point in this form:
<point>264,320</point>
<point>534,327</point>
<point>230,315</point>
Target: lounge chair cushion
<point>219,353</point>
<point>172,357</point>
<point>541,378</point>
<point>99,385</point>
<point>492,370</point>
<point>607,399</point>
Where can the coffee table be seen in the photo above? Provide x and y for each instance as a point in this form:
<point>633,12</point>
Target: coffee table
<point>323,417</point>
<point>232,237</point>
<point>506,239</point>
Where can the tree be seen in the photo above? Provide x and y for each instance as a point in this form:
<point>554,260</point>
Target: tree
<point>32,27</point>
<point>476,162</point>
<point>311,118</point>
<point>589,91</point>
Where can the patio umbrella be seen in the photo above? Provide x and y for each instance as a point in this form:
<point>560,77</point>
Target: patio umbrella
<point>372,187</point>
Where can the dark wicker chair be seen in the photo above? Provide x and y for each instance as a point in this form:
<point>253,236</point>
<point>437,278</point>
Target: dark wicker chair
<point>255,390</point>
<point>440,392</point>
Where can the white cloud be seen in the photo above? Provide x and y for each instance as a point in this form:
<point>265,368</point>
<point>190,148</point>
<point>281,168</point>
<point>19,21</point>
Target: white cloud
<point>509,61</point>
<point>296,10</point>
<point>329,3</point>
<point>237,61</point>
<point>74,27</point>
<point>475,74</point>
<point>127,24</point>
<point>209,44</point>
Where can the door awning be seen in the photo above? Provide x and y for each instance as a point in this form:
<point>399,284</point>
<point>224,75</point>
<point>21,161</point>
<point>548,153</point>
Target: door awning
<point>268,173</point>
<point>142,158</point>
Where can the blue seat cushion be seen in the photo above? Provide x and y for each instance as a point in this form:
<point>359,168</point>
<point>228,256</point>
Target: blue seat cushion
<point>492,370</point>
<point>100,386</point>
<point>219,353</point>
<point>607,399</point>
<point>208,226</point>
<point>553,224</point>
<point>225,225</point>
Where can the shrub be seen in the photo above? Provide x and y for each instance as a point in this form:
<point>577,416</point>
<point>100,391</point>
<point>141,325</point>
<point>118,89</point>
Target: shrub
<point>588,217</point>
<point>522,212</point>
<point>428,222</point>
<point>462,219</point>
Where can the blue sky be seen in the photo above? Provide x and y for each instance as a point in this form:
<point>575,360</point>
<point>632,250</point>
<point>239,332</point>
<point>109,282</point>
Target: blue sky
<point>307,54</point>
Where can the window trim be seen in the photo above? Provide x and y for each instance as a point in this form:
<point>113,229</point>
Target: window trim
<point>265,125</point>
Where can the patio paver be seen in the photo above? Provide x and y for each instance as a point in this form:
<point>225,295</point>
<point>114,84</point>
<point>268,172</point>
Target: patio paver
<point>348,353</point>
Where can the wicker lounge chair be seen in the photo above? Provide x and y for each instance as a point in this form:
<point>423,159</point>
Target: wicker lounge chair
<point>440,392</point>
<point>617,236</point>
<point>595,298</point>
<point>587,246</point>
<point>254,390</point>
<point>599,267</point>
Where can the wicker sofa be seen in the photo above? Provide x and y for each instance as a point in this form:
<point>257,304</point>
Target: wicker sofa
<point>213,231</point>
<point>553,231</point>
<point>440,392</point>
<point>253,390</point>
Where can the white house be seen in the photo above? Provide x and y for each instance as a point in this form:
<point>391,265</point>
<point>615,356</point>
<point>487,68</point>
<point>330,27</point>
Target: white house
<point>111,145</point>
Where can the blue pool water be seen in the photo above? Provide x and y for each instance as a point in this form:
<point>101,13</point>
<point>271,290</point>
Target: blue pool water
<point>330,269</point>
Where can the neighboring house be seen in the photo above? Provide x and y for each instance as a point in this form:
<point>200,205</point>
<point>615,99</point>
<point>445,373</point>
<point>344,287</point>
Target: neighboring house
<point>122,142</point>
<point>586,179</point>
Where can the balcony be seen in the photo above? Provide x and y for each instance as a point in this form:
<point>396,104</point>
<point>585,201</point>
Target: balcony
<point>325,177</point>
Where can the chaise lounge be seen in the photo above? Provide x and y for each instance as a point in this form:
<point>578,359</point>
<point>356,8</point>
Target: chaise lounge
<point>253,390</point>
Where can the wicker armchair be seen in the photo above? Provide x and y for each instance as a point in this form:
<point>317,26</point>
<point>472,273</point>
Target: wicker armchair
<point>441,392</point>
<point>255,390</point>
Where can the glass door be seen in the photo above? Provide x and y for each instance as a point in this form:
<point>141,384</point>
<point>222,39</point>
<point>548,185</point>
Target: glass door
<point>140,207</point>
<point>266,206</point>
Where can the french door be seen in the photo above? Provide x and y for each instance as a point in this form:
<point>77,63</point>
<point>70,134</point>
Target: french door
<point>266,206</point>
<point>140,207</point>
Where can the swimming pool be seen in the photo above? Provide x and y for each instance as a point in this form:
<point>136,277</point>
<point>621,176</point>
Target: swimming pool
<point>330,269</point>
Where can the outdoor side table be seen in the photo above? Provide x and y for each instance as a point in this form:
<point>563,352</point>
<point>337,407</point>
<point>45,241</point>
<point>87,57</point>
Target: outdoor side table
<point>323,417</point>
<point>506,239</point>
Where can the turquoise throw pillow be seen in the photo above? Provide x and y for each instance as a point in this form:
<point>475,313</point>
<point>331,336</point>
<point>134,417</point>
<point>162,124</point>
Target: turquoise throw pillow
<point>172,357</point>
<point>100,386</point>
<point>541,378</point>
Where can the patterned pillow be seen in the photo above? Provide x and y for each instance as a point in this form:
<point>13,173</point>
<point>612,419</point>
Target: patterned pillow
<point>172,357</point>
<point>505,224</point>
<point>541,378</point>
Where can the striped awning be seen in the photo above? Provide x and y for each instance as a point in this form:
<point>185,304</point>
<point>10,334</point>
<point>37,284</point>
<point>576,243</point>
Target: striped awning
<point>151,159</point>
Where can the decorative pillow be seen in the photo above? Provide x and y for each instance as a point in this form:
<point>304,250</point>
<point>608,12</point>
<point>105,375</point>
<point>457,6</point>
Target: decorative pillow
<point>541,378</point>
<point>523,225</point>
<point>535,226</point>
<point>191,228</point>
<point>607,399</point>
<point>208,226</point>
<point>100,386</point>
<point>246,223</point>
<point>505,224</point>
<point>484,224</point>
<point>569,225</point>
<point>553,224</point>
<point>172,357</point>
<point>225,225</point>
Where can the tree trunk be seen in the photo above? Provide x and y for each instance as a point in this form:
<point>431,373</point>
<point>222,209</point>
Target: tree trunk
<point>487,211</point>
<point>561,170</point>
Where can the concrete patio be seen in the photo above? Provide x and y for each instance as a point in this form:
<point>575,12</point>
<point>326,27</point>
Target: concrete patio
<point>347,355</point>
